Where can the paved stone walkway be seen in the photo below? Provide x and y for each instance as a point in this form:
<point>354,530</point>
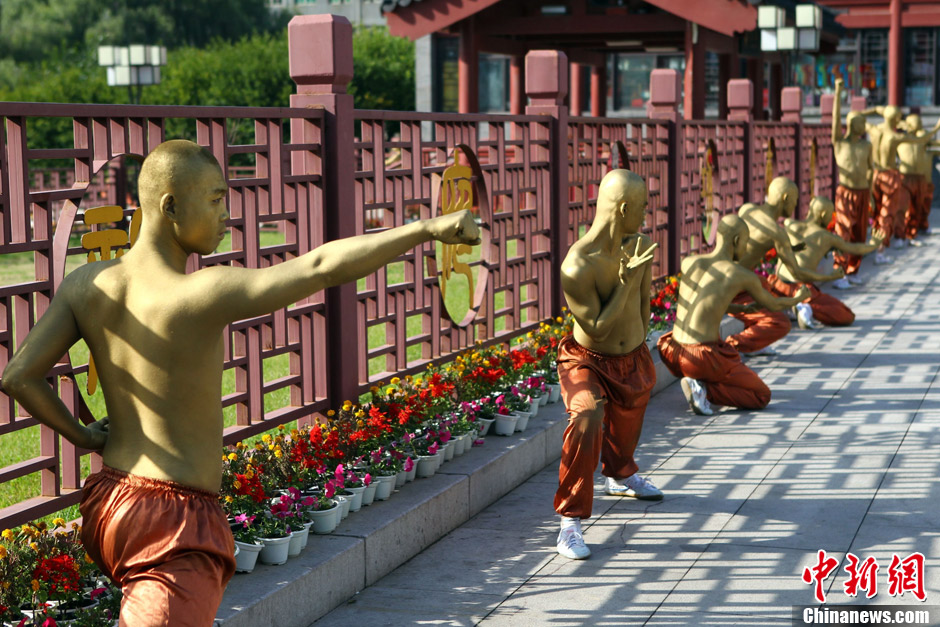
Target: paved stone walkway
<point>846,458</point>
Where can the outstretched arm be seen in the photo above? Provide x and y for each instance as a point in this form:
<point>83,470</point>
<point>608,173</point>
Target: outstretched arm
<point>237,293</point>
<point>766,300</point>
<point>857,248</point>
<point>24,378</point>
<point>786,257</point>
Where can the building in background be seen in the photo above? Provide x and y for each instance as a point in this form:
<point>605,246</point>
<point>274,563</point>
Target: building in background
<point>358,12</point>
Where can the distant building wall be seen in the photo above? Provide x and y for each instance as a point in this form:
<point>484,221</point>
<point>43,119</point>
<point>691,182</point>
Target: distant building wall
<point>358,12</point>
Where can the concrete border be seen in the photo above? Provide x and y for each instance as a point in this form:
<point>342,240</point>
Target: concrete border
<point>378,539</point>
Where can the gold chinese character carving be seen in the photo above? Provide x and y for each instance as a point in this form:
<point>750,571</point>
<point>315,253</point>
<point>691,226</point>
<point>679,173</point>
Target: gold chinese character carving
<point>771,163</point>
<point>456,195</point>
<point>707,171</point>
<point>100,245</point>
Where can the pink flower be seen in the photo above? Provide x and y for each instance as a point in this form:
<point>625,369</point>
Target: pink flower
<point>294,492</point>
<point>432,450</point>
<point>330,490</point>
<point>340,473</point>
<point>445,437</point>
<point>409,465</point>
<point>367,480</point>
<point>308,501</point>
<point>97,592</point>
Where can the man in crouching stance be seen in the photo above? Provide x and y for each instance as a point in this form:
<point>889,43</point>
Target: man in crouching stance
<point>152,519</point>
<point>711,369</point>
<point>604,367</point>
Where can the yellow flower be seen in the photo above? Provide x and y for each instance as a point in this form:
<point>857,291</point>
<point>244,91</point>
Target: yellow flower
<point>259,446</point>
<point>3,552</point>
<point>6,585</point>
<point>374,389</point>
<point>224,457</point>
<point>237,485</point>
<point>407,378</point>
<point>35,584</point>
<point>271,447</point>
<point>530,334</point>
<point>266,438</point>
<point>240,446</point>
<point>347,405</point>
<point>7,534</point>
<point>76,526</point>
<point>229,499</point>
<point>278,453</point>
<point>34,546</point>
<point>559,320</point>
<point>88,559</point>
<point>294,433</point>
<point>360,424</point>
<point>281,428</point>
<point>58,522</point>
<point>418,380</point>
<point>564,309</point>
<point>360,413</point>
<point>42,526</point>
<point>331,413</point>
<point>232,457</point>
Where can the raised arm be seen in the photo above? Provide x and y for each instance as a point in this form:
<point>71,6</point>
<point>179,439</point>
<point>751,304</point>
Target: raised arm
<point>237,293</point>
<point>24,378</point>
<point>837,113</point>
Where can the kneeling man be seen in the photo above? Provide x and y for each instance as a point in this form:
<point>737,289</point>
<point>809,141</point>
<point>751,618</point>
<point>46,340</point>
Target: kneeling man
<point>711,369</point>
<point>817,242</point>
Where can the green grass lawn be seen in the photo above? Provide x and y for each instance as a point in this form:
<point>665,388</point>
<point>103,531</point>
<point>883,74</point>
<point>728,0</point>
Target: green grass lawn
<point>24,444</point>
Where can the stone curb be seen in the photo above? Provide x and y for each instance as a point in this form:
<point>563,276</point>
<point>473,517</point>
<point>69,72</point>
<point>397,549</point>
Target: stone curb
<point>379,538</point>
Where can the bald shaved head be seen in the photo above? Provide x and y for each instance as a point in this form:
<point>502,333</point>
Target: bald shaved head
<point>783,193</point>
<point>820,210</point>
<point>169,168</point>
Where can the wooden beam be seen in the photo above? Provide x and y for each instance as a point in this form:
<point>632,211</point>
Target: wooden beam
<point>724,16</point>
<point>422,18</point>
<point>619,26</point>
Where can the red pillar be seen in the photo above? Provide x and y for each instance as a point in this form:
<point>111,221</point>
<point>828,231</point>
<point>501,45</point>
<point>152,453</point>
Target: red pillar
<point>516,92</point>
<point>467,69</point>
<point>694,86</point>
<point>755,73</point>
<point>599,91</point>
<point>729,66</point>
<point>895,55</point>
<point>775,89</point>
<point>574,95</point>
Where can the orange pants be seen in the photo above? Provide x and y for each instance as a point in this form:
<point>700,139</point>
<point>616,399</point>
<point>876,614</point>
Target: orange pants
<point>727,380</point>
<point>889,197</point>
<point>827,309</point>
<point>851,223</point>
<point>761,329</point>
<point>606,397</point>
<point>924,212</point>
<point>919,192</point>
<point>168,546</point>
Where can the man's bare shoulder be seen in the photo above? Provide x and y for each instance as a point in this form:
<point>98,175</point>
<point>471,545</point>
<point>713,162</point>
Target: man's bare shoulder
<point>577,265</point>
<point>89,281</point>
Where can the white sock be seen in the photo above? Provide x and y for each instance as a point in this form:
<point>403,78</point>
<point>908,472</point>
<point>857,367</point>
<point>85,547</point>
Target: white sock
<point>570,522</point>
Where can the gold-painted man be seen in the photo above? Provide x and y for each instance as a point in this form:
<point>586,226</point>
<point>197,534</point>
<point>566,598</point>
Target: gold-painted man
<point>816,241</point>
<point>887,186</point>
<point>916,165</point>
<point>763,328</point>
<point>853,156</point>
<point>152,521</point>
<point>710,369</point>
<point>604,368</point>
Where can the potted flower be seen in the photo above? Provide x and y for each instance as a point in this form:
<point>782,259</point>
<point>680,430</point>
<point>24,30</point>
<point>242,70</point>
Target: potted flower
<point>246,539</point>
<point>482,412</point>
<point>324,510</point>
<point>384,469</point>
<point>506,418</point>
<point>274,533</point>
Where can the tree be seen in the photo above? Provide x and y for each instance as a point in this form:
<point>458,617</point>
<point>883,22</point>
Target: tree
<point>383,70</point>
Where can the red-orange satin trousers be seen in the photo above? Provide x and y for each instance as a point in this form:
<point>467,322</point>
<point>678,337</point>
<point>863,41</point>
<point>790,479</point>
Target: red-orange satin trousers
<point>827,309</point>
<point>168,546</point>
<point>761,328</point>
<point>727,380</point>
<point>851,223</point>
<point>606,397</point>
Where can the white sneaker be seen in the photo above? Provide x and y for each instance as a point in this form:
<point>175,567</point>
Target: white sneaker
<point>841,284</point>
<point>882,259</point>
<point>571,544</point>
<point>635,486</point>
<point>897,243</point>
<point>804,317</point>
<point>854,279</point>
<point>769,351</point>
<point>695,395</point>
<point>916,243</point>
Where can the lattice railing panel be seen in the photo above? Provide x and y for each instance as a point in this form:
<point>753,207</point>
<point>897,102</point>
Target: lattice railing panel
<point>400,309</point>
<point>288,203</point>
<point>782,136</point>
<point>590,145</point>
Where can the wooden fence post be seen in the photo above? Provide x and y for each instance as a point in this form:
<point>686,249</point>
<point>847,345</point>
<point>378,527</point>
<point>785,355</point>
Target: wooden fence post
<point>664,105</point>
<point>320,50</point>
<point>546,83</point>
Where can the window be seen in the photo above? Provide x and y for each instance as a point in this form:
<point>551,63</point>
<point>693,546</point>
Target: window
<point>632,79</point>
<point>446,88</point>
<point>493,83</point>
<point>874,70</point>
<point>920,63</point>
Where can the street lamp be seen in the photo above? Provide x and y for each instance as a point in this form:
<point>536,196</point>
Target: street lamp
<point>776,35</point>
<point>132,66</point>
